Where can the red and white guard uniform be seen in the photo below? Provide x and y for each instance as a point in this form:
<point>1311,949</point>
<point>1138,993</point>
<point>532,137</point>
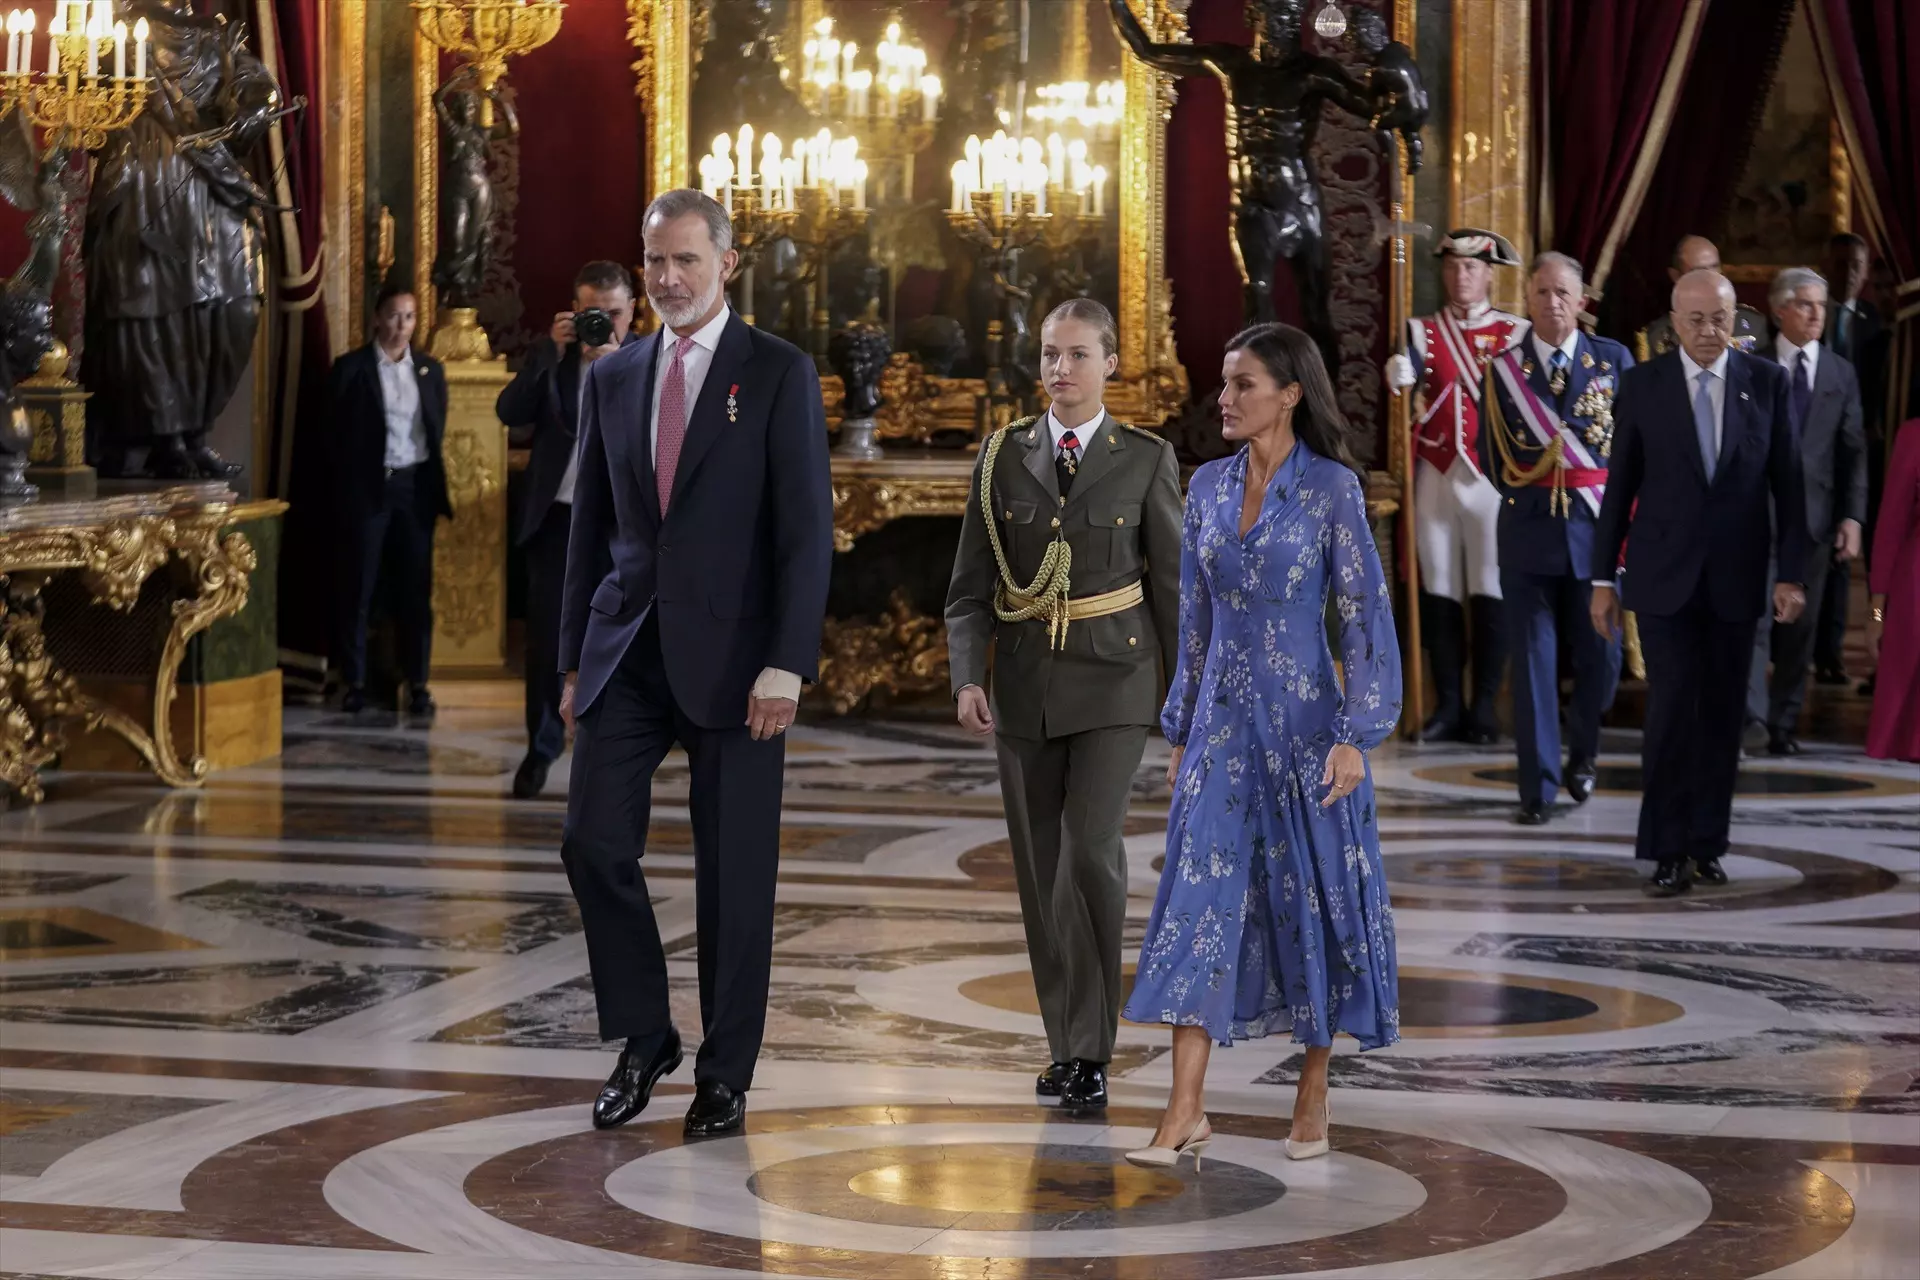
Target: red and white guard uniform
<point>1456,511</point>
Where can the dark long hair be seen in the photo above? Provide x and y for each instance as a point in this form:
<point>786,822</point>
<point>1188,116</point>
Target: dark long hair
<point>1290,356</point>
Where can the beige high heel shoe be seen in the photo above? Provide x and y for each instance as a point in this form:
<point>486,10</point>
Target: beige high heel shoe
<point>1319,1147</point>
<point>1169,1157</point>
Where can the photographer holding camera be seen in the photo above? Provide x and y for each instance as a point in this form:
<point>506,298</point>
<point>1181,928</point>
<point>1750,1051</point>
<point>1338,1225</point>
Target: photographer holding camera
<point>541,406</point>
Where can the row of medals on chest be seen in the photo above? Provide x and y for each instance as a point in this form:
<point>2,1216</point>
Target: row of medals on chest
<point>1595,403</point>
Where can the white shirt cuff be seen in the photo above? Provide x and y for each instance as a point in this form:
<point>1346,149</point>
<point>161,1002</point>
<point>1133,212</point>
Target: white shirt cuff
<point>775,683</point>
<point>1604,582</point>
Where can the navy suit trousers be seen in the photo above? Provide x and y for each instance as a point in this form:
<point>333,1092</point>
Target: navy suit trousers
<point>1542,609</point>
<point>1697,665</point>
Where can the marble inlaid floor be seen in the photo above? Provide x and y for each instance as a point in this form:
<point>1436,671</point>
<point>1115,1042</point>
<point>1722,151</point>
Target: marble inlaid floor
<point>331,1018</point>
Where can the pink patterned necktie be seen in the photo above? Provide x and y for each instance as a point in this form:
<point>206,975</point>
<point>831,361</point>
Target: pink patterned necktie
<point>671,429</point>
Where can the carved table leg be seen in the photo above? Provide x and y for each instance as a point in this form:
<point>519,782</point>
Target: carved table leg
<point>34,693</point>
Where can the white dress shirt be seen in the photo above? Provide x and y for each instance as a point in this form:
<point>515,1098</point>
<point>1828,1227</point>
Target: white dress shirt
<point>1788,353</point>
<point>1544,350</point>
<point>1716,392</point>
<point>400,396</point>
<point>699,359</point>
<point>1080,433</point>
<point>772,682</point>
<point>571,475</point>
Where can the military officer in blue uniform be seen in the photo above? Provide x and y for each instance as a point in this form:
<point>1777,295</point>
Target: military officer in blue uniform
<point>1544,445</point>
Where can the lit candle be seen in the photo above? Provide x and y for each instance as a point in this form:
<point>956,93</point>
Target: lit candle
<point>13,42</point>
<point>929,98</point>
<point>1056,160</point>
<point>860,178</point>
<point>55,29</point>
<point>959,172</point>
<point>1099,191</point>
<point>119,51</point>
<point>847,52</point>
<point>140,50</point>
<point>93,45</point>
<point>746,155</point>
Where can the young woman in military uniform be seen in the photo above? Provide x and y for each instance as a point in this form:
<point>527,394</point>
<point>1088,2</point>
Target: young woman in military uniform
<point>1068,571</point>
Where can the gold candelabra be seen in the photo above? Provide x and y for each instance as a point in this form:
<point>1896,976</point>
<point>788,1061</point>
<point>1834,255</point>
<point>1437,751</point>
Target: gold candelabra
<point>756,224</point>
<point>71,100</point>
<point>821,224</point>
<point>485,33</point>
<point>1000,223</point>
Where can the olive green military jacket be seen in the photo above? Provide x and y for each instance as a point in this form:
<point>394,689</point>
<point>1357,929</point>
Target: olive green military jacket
<point>1656,338</point>
<point>1122,520</point>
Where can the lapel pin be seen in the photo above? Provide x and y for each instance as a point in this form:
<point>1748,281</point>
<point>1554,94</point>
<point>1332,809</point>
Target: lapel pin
<point>1743,395</point>
<point>733,403</point>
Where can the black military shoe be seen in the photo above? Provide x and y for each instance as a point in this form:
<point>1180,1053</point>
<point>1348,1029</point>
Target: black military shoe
<point>628,1089</point>
<point>1053,1080</point>
<point>1532,814</point>
<point>717,1110</point>
<point>530,779</point>
<point>1581,779</point>
<point>421,707</point>
<point>1086,1087</point>
<point>1709,871</point>
<point>1782,744</point>
<point>1670,880</point>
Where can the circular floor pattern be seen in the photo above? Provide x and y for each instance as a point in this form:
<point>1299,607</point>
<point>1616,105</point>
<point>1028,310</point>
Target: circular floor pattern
<point>1623,779</point>
<point>1438,1003</point>
<point>861,1192</point>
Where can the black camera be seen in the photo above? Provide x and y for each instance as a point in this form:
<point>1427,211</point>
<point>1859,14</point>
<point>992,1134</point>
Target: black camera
<point>593,327</point>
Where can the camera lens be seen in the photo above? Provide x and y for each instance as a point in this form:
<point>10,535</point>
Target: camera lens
<point>593,327</point>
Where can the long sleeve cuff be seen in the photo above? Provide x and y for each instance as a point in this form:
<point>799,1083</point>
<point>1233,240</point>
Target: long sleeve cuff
<point>775,683</point>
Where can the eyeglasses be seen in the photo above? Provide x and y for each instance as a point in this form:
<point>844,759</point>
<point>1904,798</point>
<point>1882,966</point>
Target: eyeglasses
<point>1713,322</point>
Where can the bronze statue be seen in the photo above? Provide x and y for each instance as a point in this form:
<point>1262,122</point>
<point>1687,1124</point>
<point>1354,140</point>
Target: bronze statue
<point>26,334</point>
<point>37,186</point>
<point>466,187</point>
<point>173,250</point>
<point>1275,90</point>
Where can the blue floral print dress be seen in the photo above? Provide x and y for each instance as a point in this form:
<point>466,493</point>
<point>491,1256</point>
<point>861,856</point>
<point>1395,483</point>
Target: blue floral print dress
<point>1272,912</point>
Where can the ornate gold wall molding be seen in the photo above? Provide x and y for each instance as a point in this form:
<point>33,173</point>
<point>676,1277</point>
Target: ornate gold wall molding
<point>868,495</point>
<point>113,546</point>
<point>343,141</point>
<point>426,178</point>
<point>1491,181</point>
<point>470,550</point>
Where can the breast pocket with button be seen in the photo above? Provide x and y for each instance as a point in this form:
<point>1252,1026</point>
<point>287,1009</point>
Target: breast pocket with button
<point>1115,529</point>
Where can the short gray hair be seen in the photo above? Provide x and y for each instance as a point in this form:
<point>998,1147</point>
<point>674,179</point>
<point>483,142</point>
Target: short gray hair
<point>1554,258</point>
<point>681,201</point>
<point>1791,281</point>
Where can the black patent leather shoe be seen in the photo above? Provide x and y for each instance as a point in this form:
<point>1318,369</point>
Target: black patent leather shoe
<point>1086,1087</point>
<point>1582,777</point>
<point>530,779</point>
<point>1441,728</point>
<point>717,1110</point>
<point>421,707</point>
<point>628,1089</point>
<point>1782,744</point>
<point>1670,880</point>
<point>1053,1080</point>
<point>353,702</point>
<point>1709,871</point>
<point>1531,814</point>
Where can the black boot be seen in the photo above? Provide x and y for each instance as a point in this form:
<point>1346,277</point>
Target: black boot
<point>1443,629</point>
<point>1489,669</point>
<point>207,464</point>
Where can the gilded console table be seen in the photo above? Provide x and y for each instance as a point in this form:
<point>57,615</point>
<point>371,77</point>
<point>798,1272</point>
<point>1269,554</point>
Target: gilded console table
<point>114,545</point>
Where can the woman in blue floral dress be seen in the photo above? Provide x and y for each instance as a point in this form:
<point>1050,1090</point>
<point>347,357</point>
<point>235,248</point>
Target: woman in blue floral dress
<point>1272,913</point>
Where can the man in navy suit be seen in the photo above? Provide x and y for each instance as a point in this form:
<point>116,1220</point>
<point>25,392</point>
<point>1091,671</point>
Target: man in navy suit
<point>1704,437</point>
<point>543,402</point>
<point>696,586</point>
<point>1544,445</point>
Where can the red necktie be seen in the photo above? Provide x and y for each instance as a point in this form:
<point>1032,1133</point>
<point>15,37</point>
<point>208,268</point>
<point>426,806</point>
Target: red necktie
<point>671,429</point>
<point>1067,463</point>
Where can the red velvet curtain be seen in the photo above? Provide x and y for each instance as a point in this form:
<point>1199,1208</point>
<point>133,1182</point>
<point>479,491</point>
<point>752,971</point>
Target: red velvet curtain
<point>1724,98</point>
<point>1869,49</point>
<point>1206,282</point>
<point>1601,66</point>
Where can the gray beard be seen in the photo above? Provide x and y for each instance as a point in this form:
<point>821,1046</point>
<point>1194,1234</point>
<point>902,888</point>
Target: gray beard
<point>676,316</point>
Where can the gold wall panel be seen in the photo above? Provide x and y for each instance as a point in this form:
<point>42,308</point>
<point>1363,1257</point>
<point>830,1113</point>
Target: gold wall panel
<point>470,550</point>
<point>1491,182</point>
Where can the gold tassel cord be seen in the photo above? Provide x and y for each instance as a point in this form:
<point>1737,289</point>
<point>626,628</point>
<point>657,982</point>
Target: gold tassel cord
<point>1512,474</point>
<point>1046,598</point>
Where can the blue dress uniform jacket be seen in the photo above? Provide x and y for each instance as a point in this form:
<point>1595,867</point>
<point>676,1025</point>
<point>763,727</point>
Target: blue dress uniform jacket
<point>1547,559</point>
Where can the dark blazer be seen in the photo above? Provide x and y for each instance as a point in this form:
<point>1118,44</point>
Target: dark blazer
<point>1833,447</point>
<point>1851,333</point>
<point>357,430</point>
<point>1534,538</point>
<point>1684,528</point>
<point>738,569</point>
<point>545,396</point>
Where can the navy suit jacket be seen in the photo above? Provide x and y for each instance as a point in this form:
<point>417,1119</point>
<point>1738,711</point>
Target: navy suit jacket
<point>357,431</point>
<point>1533,538</point>
<point>738,568</point>
<point>1689,535</point>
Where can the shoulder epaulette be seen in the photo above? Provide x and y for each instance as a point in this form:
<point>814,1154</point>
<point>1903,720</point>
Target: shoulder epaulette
<point>1021,424</point>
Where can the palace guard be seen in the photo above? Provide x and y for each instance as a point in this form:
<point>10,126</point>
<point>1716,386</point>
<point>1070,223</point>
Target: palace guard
<point>1455,509</point>
<point>1068,571</point>
<point>1547,436</point>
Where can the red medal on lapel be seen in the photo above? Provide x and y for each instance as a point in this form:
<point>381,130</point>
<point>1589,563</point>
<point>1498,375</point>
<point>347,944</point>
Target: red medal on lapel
<point>733,403</point>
